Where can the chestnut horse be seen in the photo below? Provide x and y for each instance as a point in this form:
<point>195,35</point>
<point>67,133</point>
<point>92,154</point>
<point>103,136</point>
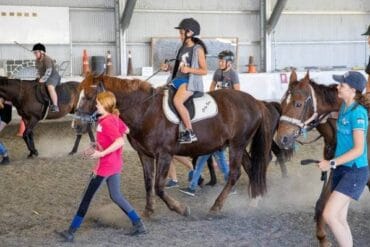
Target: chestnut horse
<point>23,95</point>
<point>241,120</point>
<point>304,106</point>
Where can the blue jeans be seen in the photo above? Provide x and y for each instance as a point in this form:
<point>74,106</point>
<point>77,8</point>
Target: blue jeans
<point>3,149</point>
<point>201,162</point>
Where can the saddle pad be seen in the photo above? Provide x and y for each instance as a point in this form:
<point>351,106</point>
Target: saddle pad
<point>205,107</point>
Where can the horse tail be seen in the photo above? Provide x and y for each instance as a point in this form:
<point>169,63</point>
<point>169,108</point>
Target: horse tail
<point>260,156</point>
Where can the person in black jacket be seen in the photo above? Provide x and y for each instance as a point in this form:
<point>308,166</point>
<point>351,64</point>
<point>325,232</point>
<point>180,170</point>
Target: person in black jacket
<point>367,70</point>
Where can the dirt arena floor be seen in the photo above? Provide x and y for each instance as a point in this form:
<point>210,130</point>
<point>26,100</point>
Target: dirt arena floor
<point>39,196</point>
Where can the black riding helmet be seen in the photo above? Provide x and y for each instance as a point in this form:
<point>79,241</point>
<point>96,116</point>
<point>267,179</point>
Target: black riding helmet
<point>190,24</point>
<point>39,47</point>
<point>227,55</point>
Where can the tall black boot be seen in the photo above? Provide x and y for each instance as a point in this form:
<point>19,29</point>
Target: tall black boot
<point>68,235</point>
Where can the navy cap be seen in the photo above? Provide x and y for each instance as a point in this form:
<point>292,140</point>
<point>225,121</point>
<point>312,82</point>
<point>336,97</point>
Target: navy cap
<point>354,79</point>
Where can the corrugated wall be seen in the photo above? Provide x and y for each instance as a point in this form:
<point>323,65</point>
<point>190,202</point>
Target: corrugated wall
<point>322,33</point>
<point>92,27</point>
<point>309,33</point>
<point>237,18</point>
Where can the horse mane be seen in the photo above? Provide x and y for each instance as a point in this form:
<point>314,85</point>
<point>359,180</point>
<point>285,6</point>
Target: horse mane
<point>328,93</point>
<point>117,84</point>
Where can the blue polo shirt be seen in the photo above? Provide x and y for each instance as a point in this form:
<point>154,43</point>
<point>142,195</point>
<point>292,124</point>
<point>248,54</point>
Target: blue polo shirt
<point>355,117</point>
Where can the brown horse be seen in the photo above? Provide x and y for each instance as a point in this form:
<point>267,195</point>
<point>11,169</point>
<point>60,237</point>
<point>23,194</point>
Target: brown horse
<point>24,96</point>
<point>240,120</point>
<point>305,106</point>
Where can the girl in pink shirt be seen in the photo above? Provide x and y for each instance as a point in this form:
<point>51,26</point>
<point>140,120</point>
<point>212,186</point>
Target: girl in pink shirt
<point>109,135</point>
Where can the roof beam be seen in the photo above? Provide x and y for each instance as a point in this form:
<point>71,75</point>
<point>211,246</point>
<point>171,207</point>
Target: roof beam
<point>276,13</point>
<point>127,14</point>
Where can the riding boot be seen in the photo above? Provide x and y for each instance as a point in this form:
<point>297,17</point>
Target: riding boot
<point>68,235</point>
<point>54,108</point>
<point>5,160</point>
<point>137,228</point>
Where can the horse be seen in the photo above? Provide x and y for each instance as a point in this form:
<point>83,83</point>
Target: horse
<point>282,155</point>
<point>240,120</point>
<point>307,105</point>
<point>26,98</point>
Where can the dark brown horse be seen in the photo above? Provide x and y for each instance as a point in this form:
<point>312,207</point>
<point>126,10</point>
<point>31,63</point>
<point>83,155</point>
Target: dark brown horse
<point>282,155</point>
<point>240,120</point>
<point>24,96</point>
<point>305,106</point>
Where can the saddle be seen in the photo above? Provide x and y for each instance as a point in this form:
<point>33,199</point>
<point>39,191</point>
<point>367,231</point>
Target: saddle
<point>42,94</point>
<point>200,106</point>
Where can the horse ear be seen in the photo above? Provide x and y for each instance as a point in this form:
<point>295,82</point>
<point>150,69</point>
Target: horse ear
<point>293,76</point>
<point>307,76</point>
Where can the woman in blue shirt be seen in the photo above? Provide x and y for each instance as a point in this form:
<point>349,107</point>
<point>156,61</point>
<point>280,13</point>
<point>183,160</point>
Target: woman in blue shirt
<point>350,165</point>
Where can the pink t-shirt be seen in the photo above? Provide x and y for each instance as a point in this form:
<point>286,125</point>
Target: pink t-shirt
<point>108,130</point>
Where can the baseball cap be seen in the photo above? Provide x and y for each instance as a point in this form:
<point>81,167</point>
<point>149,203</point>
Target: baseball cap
<point>354,79</point>
<point>367,32</point>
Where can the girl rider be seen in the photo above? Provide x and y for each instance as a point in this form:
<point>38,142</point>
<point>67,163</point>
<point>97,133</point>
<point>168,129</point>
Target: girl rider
<point>187,73</point>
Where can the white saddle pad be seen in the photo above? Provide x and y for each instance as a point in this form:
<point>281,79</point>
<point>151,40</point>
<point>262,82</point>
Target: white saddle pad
<point>205,107</point>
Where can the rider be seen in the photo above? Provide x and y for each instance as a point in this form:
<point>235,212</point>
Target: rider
<point>187,73</point>
<point>47,73</point>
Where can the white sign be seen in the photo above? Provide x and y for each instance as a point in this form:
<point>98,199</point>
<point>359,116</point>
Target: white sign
<point>29,25</point>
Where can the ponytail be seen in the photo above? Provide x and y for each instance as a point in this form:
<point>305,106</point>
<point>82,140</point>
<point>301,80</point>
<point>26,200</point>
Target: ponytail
<point>201,43</point>
<point>363,99</point>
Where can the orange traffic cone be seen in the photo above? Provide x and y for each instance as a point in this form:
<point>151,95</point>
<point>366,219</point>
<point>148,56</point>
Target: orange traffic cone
<point>85,64</point>
<point>109,68</point>
<point>129,65</point>
<point>251,65</point>
<point>22,128</point>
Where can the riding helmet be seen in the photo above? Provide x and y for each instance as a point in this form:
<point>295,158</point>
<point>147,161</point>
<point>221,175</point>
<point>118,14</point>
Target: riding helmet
<point>190,24</point>
<point>227,55</point>
<point>39,47</point>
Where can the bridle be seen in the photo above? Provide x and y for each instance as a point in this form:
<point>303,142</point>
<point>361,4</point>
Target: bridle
<point>84,116</point>
<point>310,102</point>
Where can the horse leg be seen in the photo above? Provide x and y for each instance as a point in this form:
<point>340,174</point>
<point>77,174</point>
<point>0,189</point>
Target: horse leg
<point>91,133</point>
<point>148,169</point>
<point>235,156</point>
<point>162,167</point>
<point>28,138</point>
<point>76,144</point>
<point>280,159</point>
<point>319,208</point>
<point>212,174</point>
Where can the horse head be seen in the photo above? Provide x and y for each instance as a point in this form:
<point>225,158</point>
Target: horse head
<point>86,112</point>
<point>299,110</point>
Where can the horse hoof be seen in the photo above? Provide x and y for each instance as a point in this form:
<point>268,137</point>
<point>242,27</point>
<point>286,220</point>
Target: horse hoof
<point>71,153</point>
<point>186,212</point>
<point>213,214</point>
<point>147,214</point>
<point>211,183</point>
